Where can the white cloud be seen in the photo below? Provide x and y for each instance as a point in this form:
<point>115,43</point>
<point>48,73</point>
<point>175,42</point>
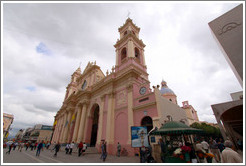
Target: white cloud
<point>179,48</point>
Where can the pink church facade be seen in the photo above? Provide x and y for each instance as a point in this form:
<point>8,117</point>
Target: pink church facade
<point>104,107</point>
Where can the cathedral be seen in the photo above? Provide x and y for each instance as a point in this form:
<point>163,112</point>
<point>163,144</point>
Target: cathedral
<point>100,106</point>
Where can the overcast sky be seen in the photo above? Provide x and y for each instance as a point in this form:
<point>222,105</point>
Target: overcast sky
<point>43,44</point>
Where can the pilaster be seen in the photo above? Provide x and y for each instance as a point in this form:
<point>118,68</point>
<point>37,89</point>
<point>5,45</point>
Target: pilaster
<point>100,123</point>
<point>130,110</point>
<point>77,122</point>
<point>82,123</point>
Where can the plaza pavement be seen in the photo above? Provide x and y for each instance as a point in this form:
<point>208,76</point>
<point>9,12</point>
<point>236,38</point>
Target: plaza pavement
<point>46,156</point>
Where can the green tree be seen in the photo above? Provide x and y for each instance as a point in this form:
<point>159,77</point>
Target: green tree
<point>208,129</point>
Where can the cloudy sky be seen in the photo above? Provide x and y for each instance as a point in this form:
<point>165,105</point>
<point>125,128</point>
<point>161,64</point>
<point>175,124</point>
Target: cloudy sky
<point>43,44</point>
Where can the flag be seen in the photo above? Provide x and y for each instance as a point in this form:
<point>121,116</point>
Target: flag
<point>73,117</point>
<point>55,123</point>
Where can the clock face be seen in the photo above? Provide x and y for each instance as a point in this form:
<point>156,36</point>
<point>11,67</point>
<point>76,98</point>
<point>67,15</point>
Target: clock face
<point>142,90</point>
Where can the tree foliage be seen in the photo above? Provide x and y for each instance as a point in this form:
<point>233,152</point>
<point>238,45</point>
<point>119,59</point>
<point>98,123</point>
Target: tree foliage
<point>208,129</point>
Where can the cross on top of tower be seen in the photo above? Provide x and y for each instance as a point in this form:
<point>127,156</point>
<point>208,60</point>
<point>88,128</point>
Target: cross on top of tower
<point>128,14</point>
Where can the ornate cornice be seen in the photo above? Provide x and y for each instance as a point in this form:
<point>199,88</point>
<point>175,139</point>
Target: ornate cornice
<point>126,23</point>
<point>129,37</point>
<point>144,106</point>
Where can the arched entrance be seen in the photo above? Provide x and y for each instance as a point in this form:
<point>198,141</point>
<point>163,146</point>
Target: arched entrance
<point>147,121</point>
<point>95,118</point>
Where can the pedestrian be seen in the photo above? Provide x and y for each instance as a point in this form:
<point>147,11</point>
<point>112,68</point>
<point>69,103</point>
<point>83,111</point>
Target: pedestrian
<point>200,151</point>
<point>163,150</point>
<point>215,150</point>
<point>39,147</point>
<point>21,146</point>
<point>67,148</point>
<point>104,148</point>
<point>35,145</point>
<point>32,146</point>
<point>27,145</point>
<point>57,148</point>
<point>205,145</point>
<point>84,148</point>
<point>102,144</point>
<point>10,148</point>
<point>221,145</point>
<point>80,147</point>
<point>48,145</point>
<point>118,149</point>
<point>229,155</point>
<point>71,147</point>
<point>15,145</point>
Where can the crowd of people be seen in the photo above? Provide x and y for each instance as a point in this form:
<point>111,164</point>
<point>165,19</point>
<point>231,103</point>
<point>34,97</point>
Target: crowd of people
<point>202,151</point>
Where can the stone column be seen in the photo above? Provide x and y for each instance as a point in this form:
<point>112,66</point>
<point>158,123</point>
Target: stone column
<point>110,120</point>
<point>77,122</point>
<point>62,127</point>
<point>100,123</point>
<point>82,123</point>
<point>67,126</point>
<point>130,49</point>
<point>143,57</point>
<point>130,111</point>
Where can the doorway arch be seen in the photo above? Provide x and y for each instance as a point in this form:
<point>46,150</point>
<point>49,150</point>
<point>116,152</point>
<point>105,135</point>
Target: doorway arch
<point>95,118</point>
<point>148,122</point>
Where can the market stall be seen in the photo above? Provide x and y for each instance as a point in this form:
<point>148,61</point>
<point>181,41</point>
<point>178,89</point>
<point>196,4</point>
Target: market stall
<point>176,136</point>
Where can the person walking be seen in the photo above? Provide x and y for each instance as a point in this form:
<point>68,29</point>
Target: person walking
<point>67,148</point>
<point>205,145</point>
<point>80,146</point>
<point>10,147</point>
<point>163,150</point>
<point>102,144</point>
<point>221,145</point>
<point>57,148</point>
<point>39,147</point>
<point>84,148</point>
<point>104,151</point>
<point>215,150</point>
<point>21,146</point>
<point>118,149</point>
<point>71,147</point>
<point>229,155</point>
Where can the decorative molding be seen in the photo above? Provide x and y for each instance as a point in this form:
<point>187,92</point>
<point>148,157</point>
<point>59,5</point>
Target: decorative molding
<point>144,106</point>
<point>121,97</point>
<point>228,27</point>
<point>121,108</point>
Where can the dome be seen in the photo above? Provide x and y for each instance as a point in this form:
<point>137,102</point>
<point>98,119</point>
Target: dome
<point>165,89</point>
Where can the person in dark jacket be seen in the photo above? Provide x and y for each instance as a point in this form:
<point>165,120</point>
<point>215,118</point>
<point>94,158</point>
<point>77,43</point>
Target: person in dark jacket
<point>57,148</point>
<point>39,147</point>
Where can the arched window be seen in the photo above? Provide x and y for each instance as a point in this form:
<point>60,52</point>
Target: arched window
<point>123,53</point>
<point>137,54</point>
<point>169,118</point>
<point>125,33</point>
<point>170,99</point>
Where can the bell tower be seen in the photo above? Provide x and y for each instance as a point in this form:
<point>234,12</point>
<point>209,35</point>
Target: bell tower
<point>129,47</point>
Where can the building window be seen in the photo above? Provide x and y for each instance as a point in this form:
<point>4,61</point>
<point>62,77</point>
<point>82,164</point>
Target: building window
<point>137,54</point>
<point>125,33</point>
<point>84,84</point>
<point>123,53</point>
<point>169,118</point>
<point>170,99</point>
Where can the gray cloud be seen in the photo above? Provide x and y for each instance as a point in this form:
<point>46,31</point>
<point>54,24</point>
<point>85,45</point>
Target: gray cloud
<point>179,48</point>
